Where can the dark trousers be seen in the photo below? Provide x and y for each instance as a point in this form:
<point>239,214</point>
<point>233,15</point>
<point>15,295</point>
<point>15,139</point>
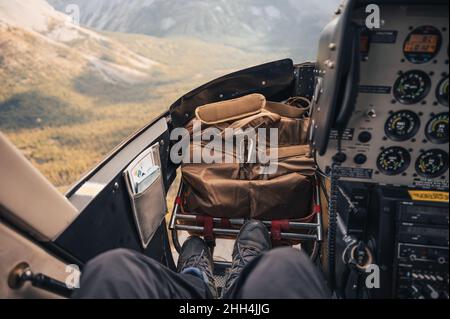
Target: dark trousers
<point>283,273</point>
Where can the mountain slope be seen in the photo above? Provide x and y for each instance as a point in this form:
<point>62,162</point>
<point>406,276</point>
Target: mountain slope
<point>248,24</point>
<point>69,94</point>
<point>41,51</point>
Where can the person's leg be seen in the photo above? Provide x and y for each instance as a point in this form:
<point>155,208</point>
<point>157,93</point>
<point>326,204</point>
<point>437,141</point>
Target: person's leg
<point>283,273</point>
<point>127,274</point>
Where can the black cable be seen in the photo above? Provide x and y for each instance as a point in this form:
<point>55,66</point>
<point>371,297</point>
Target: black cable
<point>331,240</point>
<point>332,215</point>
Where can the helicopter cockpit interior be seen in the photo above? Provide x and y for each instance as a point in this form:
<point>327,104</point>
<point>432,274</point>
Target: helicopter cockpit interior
<point>363,187</point>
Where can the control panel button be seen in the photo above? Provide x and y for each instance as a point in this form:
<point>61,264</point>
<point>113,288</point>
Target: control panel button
<point>365,137</point>
<point>360,159</point>
<point>340,157</point>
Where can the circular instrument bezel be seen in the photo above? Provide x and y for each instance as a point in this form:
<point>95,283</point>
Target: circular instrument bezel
<point>406,157</point>
<point>429,131</point>
<point>421,57</point>
<point>418,75</point>
<point>429,153</point>
<point>442,98</point>
<point>412,129</point>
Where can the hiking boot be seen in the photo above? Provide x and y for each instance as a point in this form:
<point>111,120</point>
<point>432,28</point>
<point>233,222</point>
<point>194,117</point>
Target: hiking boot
<point>253,239</point>
<point>195,259</point>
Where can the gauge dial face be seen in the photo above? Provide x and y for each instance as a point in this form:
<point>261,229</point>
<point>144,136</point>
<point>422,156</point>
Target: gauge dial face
<point>442,92</point>
<point>393,161</point>
<point>422,44</point>
<point>411,87</point>
<point>432,163</point>
<point>402,125</point>
<point>437,129</point>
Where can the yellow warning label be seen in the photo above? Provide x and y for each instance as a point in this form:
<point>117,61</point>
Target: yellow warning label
<point>429,196</point>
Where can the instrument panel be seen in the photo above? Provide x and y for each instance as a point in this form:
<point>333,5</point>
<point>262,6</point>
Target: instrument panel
<point>398,133</point>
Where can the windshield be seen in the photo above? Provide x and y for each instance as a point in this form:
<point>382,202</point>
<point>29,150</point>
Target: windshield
<point>79,76</point>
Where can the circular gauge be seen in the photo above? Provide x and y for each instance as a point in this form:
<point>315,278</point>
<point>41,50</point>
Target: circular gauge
<point>442,91</point>
<point>432,163</point>
<point>422,44</point>
<point>402,125</point>
<point>437,129</point>
<point>411,87</point>
<point>393,160</point>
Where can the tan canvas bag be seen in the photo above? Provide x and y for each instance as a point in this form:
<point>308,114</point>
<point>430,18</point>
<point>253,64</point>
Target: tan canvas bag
<point>237,190</point>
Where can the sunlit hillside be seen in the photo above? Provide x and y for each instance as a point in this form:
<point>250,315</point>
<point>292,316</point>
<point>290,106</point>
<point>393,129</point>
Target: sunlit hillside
<point>69,94</point>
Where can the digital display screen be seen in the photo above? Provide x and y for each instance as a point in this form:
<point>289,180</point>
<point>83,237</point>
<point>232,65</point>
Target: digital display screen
<point>422,43</point>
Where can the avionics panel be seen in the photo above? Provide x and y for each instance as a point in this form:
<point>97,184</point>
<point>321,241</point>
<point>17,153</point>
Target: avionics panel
<point>398,132</point>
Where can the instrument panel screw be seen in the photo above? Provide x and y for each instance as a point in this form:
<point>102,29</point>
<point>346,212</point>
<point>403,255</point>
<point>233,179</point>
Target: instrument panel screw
<point>330,64</point>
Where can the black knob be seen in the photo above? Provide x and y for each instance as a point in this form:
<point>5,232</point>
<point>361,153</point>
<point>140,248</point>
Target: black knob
<point>340,157</point>
<point>360,159</point>
<point>364,137</point>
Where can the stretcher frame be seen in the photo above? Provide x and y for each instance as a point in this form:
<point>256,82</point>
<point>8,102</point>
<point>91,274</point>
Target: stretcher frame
<point>296,230</point>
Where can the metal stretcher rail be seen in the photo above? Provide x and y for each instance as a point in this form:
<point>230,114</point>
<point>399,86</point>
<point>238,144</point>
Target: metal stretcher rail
<point>240,222</point>
<point>227,232</point>
<point>298,231</point>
